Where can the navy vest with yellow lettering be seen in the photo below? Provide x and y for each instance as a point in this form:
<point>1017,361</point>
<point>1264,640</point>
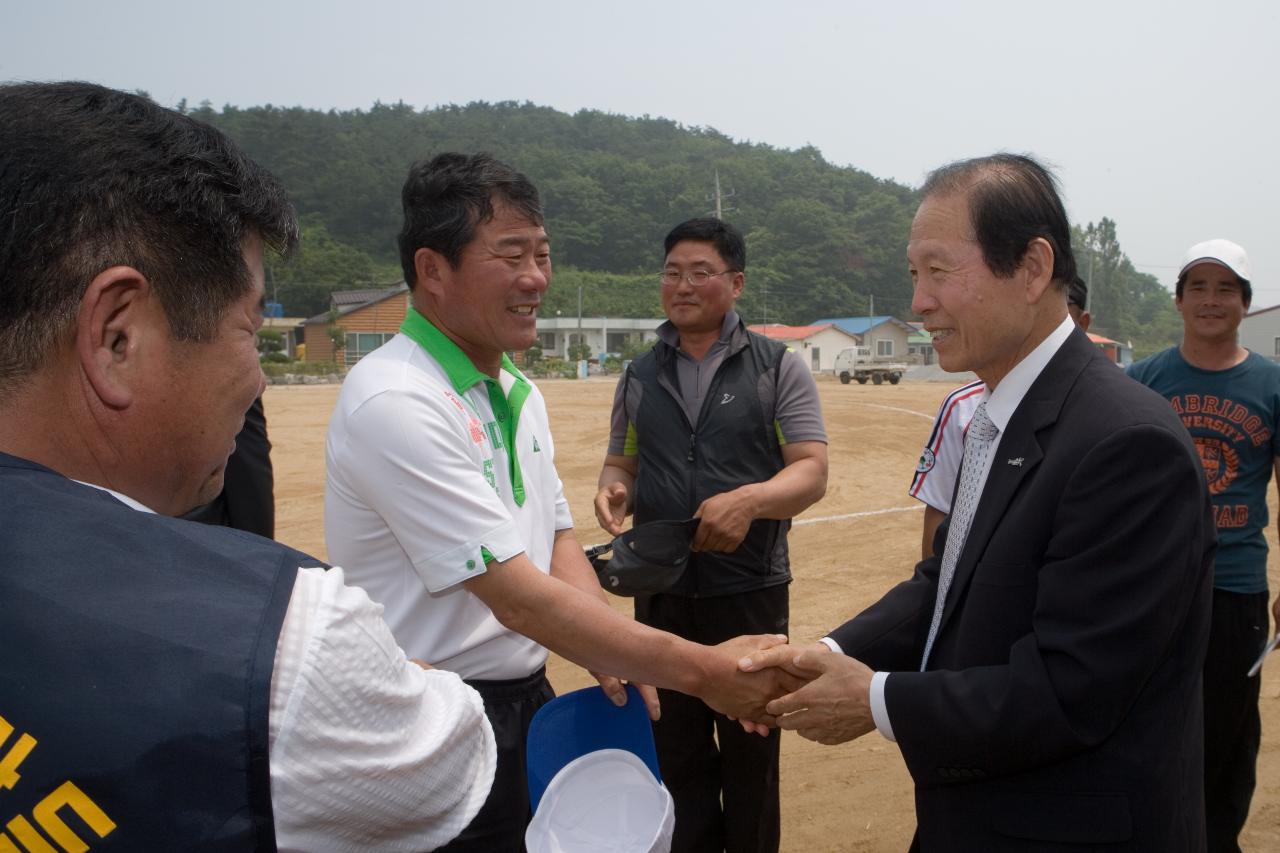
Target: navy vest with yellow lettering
<point>136,654</point>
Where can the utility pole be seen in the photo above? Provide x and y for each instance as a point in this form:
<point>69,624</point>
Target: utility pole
<point>580,363</point>
<point>1088,294</point>
<point>719,198</point>
<point>871,319</point>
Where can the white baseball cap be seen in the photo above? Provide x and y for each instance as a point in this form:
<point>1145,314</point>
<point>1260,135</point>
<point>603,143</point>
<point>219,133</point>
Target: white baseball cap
<point>1224,253</point>
<point>605,801</point>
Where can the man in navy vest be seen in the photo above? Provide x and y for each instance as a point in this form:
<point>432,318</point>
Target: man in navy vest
<point>168,685</point>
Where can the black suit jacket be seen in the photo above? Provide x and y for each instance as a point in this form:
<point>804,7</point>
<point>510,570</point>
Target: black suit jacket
<point>1062,703</point>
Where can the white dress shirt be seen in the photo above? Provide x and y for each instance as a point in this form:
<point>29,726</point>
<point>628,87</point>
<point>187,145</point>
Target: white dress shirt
<point>368,751</point>
<point>1001,404</point>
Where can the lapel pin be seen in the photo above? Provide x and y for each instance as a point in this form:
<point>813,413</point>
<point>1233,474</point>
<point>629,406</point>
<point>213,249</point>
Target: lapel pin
<point>1016,463</point>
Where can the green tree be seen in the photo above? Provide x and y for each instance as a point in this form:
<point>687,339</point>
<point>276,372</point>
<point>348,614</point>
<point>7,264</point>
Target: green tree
<point>1127,305</point>
<point>633,348</point>
<point>270,344</point>
<point>321,265</point>
<point>612,187</point>
<point>337,334</point>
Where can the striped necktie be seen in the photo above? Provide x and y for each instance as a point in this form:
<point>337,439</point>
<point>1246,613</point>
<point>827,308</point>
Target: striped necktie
<point>977,444</point>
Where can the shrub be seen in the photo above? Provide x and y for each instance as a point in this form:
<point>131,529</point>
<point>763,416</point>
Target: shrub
<point>306,368</point>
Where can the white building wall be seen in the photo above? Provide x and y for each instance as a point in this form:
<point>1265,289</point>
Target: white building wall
<point>557,334</point>
<point>1260,333</point>
<point>827,342</point>
<point>894,336</point>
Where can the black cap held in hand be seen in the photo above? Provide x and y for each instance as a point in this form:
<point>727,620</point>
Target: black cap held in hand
<point>647,559</point>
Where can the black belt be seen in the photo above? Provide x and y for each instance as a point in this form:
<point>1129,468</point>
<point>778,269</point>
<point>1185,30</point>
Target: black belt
<point>504,689</point>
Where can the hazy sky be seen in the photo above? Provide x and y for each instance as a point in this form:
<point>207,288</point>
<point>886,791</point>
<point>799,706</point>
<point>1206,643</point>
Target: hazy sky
<point>1164,116</point>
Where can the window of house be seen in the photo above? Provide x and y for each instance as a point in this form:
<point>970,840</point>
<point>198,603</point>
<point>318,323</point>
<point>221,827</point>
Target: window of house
<point>1277,346</point>
<point>884,347</point>
<point>360,344</point>
<point>815,357</point>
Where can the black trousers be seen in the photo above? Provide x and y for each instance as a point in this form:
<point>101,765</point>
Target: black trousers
<point>724,781</point>
<point>1232,724</point>
<point>500,824</point>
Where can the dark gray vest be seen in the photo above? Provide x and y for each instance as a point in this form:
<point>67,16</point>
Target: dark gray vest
<point>679,466</point>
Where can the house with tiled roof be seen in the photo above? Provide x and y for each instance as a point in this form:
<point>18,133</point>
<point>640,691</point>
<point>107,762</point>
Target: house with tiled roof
<point>885,336</point>
<point>369,318</point>
<point>919,345</point>
<point>1121,354</point>
<point>816,344</point>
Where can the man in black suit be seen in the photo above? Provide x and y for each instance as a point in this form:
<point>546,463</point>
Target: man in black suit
<point>1054,699</point>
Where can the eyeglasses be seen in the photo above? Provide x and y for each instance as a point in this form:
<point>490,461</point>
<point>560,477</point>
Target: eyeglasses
<point>696,278</point>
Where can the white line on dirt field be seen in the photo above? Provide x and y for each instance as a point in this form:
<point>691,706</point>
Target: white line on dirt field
<point>846,516</point>
<point>894,409</point>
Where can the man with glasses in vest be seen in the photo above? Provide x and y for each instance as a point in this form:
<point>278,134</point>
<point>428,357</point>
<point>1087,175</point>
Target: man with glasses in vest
<point>718,423</point>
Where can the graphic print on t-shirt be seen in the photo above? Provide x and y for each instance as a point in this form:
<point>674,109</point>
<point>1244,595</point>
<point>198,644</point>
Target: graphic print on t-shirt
<point>1221,463</point>
<point>1219,425</point>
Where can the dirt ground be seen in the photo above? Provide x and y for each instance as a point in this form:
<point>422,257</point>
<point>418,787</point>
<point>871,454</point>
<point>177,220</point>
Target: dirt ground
<point>846,551</point>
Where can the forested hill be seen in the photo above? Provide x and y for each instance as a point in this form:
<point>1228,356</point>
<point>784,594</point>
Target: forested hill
<point>821,238</point>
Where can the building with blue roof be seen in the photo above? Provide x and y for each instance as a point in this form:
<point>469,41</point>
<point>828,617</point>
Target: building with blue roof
<point>885,336</point>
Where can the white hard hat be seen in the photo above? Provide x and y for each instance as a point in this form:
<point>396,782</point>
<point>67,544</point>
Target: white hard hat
<point>606,801</point>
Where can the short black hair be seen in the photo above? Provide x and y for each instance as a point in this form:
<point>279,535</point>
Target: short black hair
<point>1078,293</point>
<point>446,197</point>
<point>1246,289</point>
<point>726,239</point>
<point>1012,201</point>
<point>92,178</point>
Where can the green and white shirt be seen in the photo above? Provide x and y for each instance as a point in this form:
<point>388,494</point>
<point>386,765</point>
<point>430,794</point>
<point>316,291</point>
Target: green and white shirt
<point>433,468</point>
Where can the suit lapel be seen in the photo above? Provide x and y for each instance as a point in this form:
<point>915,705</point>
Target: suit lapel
<point>1018,455</point>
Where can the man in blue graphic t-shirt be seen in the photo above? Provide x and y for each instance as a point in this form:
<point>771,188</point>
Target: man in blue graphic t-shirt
<point>1229,400</point>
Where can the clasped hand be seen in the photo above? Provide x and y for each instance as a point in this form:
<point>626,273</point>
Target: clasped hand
<point>744,695</point>
<point>830,701</point>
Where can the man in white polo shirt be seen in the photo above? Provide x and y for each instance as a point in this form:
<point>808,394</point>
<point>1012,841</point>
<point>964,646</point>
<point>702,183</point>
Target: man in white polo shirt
<point>442,494</point>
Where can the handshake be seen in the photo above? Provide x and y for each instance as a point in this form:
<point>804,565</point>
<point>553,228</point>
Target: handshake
<point>764,682</point>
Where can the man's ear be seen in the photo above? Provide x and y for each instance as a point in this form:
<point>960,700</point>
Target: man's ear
<point>114,312</point>
<point>432,270</point>
<point>1037,266</point>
